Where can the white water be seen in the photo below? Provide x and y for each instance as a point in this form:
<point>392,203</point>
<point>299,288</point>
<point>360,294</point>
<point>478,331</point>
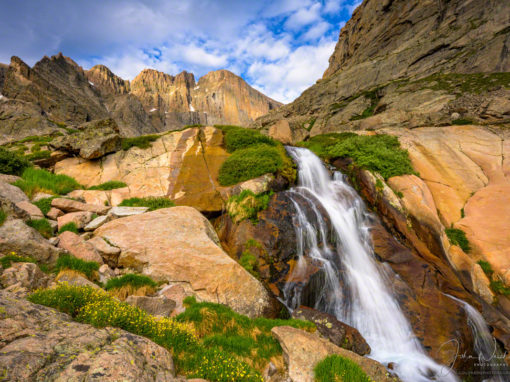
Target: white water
<point>490,357</point>
<point>366,302</point>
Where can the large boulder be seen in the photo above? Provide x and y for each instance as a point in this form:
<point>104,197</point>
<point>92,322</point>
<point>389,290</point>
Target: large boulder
<point>41,344</point>
<point>179,244</point>
<point>16,236</point>
<point>78,247</point>
<point>93,140</point>
<point>12,193</point>
<point>303,350</point>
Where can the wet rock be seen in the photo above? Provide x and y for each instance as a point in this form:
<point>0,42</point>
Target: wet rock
<point>303,350</point>
<point>335,331</point>
<point>39,343</point>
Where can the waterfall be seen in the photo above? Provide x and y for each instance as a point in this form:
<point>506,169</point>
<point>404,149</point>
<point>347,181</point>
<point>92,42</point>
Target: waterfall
<point>490,358</point>
<point>355,287</point>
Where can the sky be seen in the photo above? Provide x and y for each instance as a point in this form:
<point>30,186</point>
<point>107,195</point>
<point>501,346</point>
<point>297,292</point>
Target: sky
<point>280,47</point>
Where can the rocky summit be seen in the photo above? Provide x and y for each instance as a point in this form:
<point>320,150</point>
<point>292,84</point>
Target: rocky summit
<point>57,94</point>
<point>168,229</point>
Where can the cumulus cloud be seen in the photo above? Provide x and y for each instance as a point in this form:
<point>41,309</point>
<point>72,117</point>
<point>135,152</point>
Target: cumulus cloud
<point>280,47</point>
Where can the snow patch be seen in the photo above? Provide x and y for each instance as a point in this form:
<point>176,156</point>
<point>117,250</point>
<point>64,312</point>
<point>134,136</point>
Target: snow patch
<point>191,108</point>
<point>151,110</point>
<point>91,83</point>
<point>196,88</point>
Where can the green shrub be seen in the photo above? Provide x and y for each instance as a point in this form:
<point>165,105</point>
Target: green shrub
<point>3,216</point>
<point>142,142</point>
<point>88,268</point>
<point>236,139</point>
<point>154,203</point>
<point>38,155</point>
<point>43,226</point>
<point>249,262</point>
<point>458,237</point>
<point>499,287</point>
<point>36,139</point>
<point>227,128</point>
<point>36,180</point>
<point>246,205</point>
<point>462,122</point>
<point>12,163</point>
<point>111,185</point>
<point>67,298</point>
<point>7,260</point>
<point>377,153</point>
<point>71,227</point>
<point>45,204</point>
<point>320,144</point>
<point>194,125</point>
<point>336,368</point>
<point>369,111</point>
<point>131,279</point>
<point>249,163</point>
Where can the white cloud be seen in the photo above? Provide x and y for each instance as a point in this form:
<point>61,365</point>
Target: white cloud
<point>317,31</point>
<point>197,55</point>
<point>304,16</point>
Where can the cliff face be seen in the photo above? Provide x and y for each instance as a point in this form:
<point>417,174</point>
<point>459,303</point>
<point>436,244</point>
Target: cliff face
<point>384,70</point>
<point>57,93</point>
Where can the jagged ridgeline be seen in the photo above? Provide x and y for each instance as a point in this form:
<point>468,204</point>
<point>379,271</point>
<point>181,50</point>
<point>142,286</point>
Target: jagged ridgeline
<point>57,94</point>
<point>160,229</point>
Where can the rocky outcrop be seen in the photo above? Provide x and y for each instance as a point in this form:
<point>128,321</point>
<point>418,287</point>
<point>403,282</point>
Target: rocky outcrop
<point>409,63</point>
<point>38,343</point>
<point>179,245</point>
<point>303,350</point>
<point>106,82</point>
<point>182,166</point>
<point>93,140</point>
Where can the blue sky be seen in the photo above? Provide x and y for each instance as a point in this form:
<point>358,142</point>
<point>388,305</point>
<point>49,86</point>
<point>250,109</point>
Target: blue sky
<point>278,47</point>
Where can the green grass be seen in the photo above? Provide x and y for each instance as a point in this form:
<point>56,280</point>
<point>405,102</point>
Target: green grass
<point>236,139</point>
<point>369,111</point>
<point>7,260</point>
<point>194,125</point>
<point>154,203</point>
<point>192,357</point>
<point>142,142</point>
<point>250,262</point>
<point>111,185</point>
<point>88,268</point>
<point>37,180</point>
<point>476,83</point>
<point>36,139</point>
<point>38,155</point>
<point>377,153</point>
<point>71,227</point>
<point>12,163</point>
<point>250,163</point>
<point>458,237</point>
<point>45,204</point>
<point>335,368</point>
<point>461,122</point>
<point>42,226</point>
<point>3,216</point>
<point>246,205</point>
<point>133,280</point>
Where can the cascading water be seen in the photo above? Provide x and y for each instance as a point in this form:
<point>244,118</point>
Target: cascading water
<point>490,358</point>
<point>364,301</point>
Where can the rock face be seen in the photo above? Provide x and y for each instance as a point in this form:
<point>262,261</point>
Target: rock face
<point>303,350</point>
<point>38,343</point>
<point>182,166</point>
<point>219,97</point>
<point>57,93</point>
<point>179,245</point>
<point>384,70</point>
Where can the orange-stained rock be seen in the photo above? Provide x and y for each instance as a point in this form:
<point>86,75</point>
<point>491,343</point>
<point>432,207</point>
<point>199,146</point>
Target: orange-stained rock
<point>78,247</point>
<point>281,131</point>
<point>54,213</point>
<point>179,244</point>
<point>182,166</point>
<point>303,350</point>
<point>80,218</point>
